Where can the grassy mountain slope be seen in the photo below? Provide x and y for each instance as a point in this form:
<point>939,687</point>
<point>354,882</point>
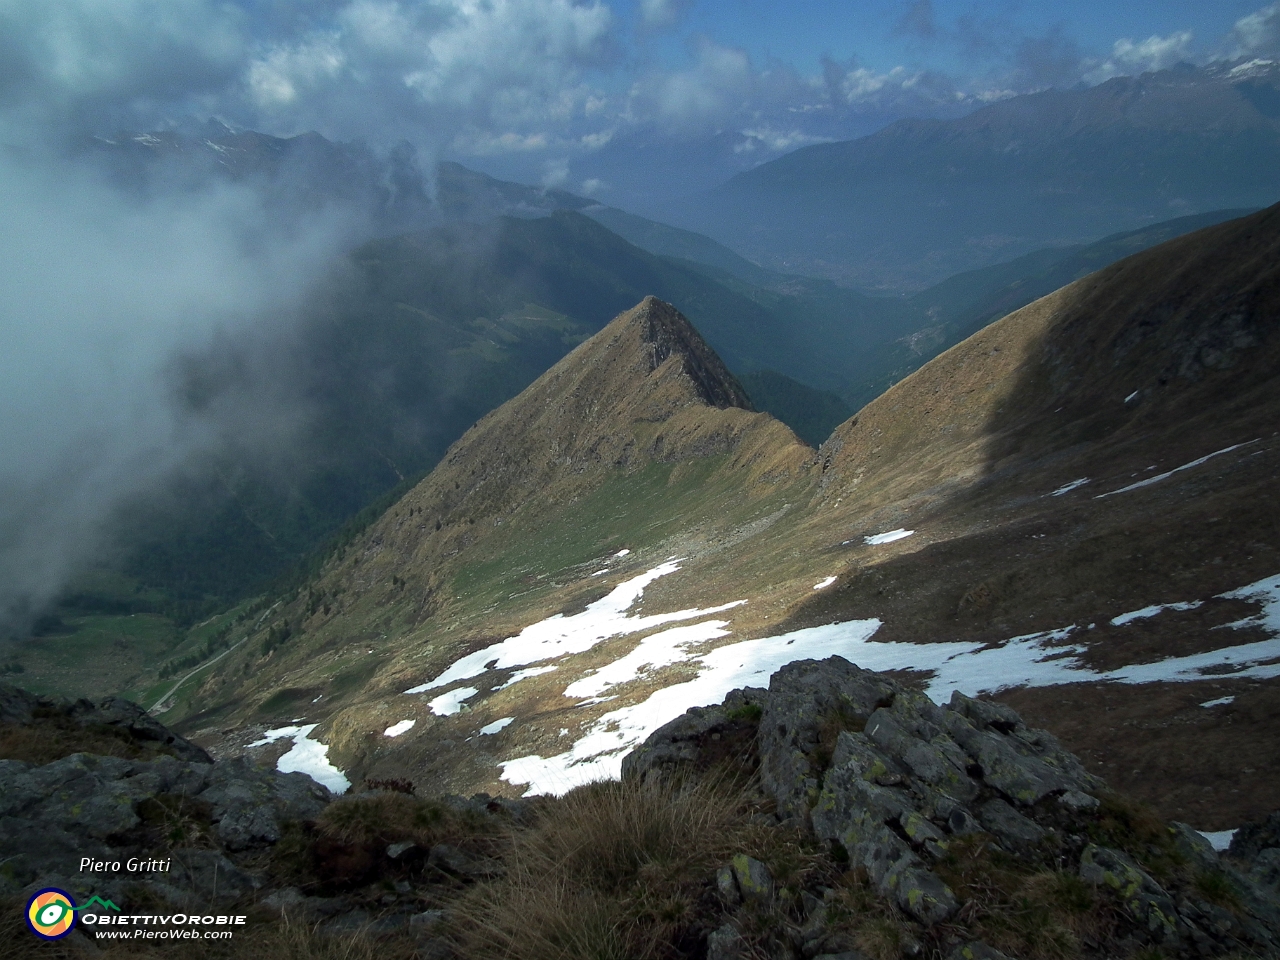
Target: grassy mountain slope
<point>419,337</point>
<point>1140,371</point>
<point>616,447</point>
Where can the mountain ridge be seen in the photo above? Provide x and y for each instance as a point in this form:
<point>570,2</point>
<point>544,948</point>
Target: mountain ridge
<point>971,512</point>
<point>902,208</point>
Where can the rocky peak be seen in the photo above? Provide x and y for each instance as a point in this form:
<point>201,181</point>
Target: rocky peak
<point>666,331</point>
<point>645,388</point>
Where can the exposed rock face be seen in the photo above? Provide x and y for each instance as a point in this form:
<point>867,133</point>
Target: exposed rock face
<point>109,809</point>
<point>1257,847</point>
<point>121,717</point>
<point>892,781</point>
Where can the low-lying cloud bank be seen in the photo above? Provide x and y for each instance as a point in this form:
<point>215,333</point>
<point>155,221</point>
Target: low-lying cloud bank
<point>103,291</point>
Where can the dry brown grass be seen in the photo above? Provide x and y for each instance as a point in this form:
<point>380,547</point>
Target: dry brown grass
<point>49,740</point>
<point>383,818</point>
<point>1038,914</point>
<point>612,870</point>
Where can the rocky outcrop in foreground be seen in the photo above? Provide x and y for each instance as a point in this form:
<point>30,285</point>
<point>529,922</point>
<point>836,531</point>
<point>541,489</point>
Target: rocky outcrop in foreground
<point>837,815</point>
<point>905,792</point>
<point>163,806</point>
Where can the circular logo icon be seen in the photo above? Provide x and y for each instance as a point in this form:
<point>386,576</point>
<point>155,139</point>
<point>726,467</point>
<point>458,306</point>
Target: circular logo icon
<point>51,914</point>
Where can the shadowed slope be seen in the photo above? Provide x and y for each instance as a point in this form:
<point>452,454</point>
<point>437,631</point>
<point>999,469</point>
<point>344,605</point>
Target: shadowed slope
<point>1139,347</point>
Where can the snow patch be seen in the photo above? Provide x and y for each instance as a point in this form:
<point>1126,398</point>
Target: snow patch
<point>492,728</point>
<point>823,584</point>
<point>662,649</point>
<point>621,553</point>
<point>1220,839</point>
<point>1164,476</point>
<point>1039,659</point>
<point>598,754</point>
<point>1151,611</point>
<point>889,537</point>
<point>1220,702</point>
<point>1132,395</point>
<point>447,704</point>
<point>1265,592</point>
<point>306,756</point>
<point>1068,487</point>
<point>559,635</point>
<point>404,726</point>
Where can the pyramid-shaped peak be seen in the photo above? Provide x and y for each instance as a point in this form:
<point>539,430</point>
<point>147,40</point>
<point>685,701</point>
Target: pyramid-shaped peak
<point>664,331</point>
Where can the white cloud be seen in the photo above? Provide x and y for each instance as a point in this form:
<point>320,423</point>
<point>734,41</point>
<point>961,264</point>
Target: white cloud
<point>714,88</point>
<point>776,141</point>
<point>662,14</point>
<point>1155,53</point>
<point>276,79</point>
<point>555,173</point>
<point>102,293</point>
<point>73,57</point>
<point>376,69</point>
<point>1258,34</point>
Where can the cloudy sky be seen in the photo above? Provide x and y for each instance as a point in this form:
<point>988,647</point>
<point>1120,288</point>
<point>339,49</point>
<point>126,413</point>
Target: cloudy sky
<point>534,88</point>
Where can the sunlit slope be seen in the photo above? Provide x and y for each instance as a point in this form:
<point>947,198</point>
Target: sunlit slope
<point>1107,449</point>
<point>640,439</point>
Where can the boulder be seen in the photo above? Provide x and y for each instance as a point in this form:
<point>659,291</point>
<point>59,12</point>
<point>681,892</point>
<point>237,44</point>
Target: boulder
<point>677,746</point>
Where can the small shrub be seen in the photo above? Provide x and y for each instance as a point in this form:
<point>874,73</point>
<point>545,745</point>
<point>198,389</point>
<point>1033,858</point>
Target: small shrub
<point>749,712</point>
<point>387,818</point>
<point>395,785</point>
<point>1216,887</point>
<point>1137,830</point>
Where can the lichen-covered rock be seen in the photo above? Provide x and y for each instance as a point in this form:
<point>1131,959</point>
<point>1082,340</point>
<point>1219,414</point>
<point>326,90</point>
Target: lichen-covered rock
<point>449,858</point>
<point>976,950</point>
<point>1145,898</point>
<point>1008,826</point>
<point>753,878</point>
<point>727,886</point>
<point>905,775</point>
<point>111,809</point>
<point>249,805</point>
<point>726,943</point>
<point>904,791</point>
<point>1253,838</point>
<point>804,698</point>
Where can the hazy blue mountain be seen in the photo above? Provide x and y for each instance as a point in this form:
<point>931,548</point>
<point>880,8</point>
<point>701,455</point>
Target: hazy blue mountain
<point>963,304</point>
<point>392,192</point>
<point>925,199</point>
<point>669,241</point>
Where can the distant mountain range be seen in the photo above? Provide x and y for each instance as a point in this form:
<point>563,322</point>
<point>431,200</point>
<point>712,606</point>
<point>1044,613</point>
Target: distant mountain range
<point>924,199</point>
